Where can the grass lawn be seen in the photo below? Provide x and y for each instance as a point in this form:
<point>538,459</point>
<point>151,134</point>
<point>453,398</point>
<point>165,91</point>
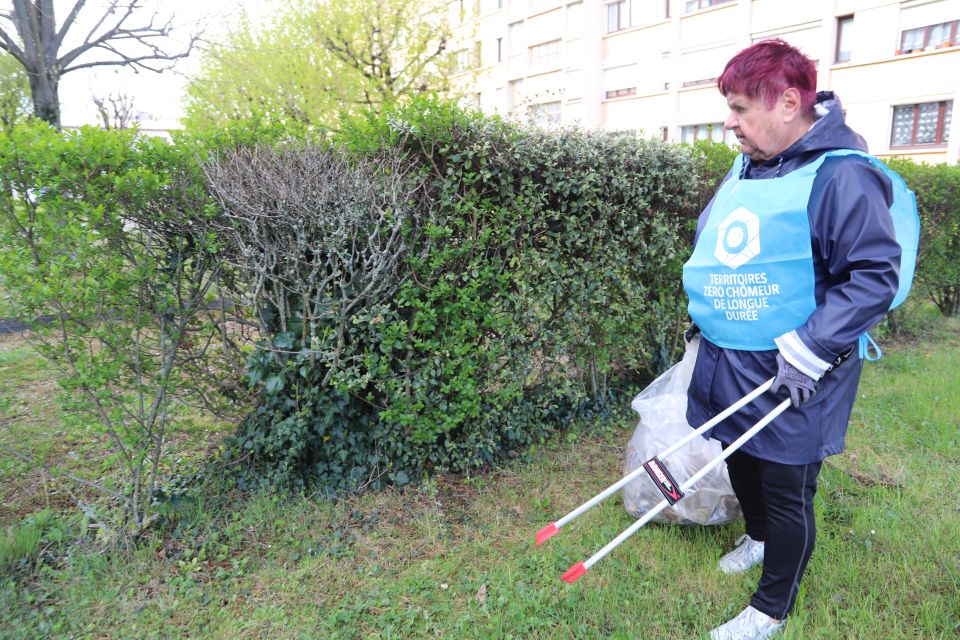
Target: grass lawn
<point>31,423</point>
<point>455,558</point>
<point>29,420</point>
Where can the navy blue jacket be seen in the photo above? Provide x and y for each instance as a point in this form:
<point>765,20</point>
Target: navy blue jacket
<point>856,266</point>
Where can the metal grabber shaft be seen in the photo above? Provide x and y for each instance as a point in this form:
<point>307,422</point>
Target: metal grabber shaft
<point>577,570</point>
<point>551,529</point>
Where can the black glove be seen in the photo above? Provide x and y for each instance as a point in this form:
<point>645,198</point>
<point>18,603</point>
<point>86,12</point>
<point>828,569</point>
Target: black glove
<point>799,385</point>
<point>691,332</point>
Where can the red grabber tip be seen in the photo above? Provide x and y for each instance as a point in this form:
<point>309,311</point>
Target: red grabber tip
<point>573,573</point>
<point>546,533</point>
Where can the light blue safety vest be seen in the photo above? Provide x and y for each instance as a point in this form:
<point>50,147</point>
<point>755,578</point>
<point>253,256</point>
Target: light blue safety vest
<point>750,278</point>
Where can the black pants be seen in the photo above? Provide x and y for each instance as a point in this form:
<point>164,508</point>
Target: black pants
<point>777,504</point>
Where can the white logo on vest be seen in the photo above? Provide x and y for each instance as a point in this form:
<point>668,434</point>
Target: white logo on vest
<point>738,238</point>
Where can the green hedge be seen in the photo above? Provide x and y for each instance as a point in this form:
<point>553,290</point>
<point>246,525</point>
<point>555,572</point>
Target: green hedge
<point>540,279</point>
<point>107,236</point>
<point>435,290</point>
<point>715,160</point>
<point>937,188</point>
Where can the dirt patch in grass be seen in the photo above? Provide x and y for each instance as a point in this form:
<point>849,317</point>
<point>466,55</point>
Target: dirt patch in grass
<point>868,468</point>
<point>32,425</point>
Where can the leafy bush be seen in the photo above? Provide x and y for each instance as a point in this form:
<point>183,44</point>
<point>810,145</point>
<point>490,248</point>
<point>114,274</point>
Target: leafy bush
<point>937,188</point>
<point>433,289</point>
<point>438,289</point>
<point>716,159</point>
<point>107,234</point>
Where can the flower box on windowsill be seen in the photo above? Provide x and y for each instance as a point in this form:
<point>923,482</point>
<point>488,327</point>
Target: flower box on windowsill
<point>944,45</point>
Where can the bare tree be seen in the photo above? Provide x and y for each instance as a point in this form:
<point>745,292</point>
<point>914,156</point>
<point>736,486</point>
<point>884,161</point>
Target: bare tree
<point>318,59</point>
<point>398,47</point>
<point>37,44</point>
<point>116,110</point>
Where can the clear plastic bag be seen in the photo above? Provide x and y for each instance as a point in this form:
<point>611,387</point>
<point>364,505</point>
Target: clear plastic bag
<point>663,421</point>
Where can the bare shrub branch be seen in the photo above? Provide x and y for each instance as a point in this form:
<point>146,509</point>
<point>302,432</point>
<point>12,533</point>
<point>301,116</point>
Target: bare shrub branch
<point>318,236</point>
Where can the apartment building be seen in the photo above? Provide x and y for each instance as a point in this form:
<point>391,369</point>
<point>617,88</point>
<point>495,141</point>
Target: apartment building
<point>651,65</point>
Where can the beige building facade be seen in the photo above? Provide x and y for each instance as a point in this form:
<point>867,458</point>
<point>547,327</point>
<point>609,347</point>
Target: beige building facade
<point>650,65</point>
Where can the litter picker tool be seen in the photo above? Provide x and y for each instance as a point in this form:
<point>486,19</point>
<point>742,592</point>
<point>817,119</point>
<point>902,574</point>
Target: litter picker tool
<point>658,472</point>
<point>554,527</point>
<point>665,483</point>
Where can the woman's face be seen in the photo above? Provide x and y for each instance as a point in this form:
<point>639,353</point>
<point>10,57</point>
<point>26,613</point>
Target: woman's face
<point>762,132</point>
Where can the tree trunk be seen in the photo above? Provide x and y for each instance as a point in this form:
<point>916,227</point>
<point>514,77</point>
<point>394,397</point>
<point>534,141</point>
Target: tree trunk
<point>46,98</point>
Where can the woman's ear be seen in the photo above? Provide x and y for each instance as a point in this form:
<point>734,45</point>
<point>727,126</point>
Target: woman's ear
<point>790,104</point>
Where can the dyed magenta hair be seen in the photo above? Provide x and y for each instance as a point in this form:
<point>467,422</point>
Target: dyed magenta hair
<point>767,69</point>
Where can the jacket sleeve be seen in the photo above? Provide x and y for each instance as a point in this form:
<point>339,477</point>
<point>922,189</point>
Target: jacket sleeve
<point>856,262</point>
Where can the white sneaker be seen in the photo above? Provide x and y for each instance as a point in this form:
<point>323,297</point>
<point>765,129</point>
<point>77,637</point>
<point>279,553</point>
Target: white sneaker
<point>749,625</point>
<point>748,553</point>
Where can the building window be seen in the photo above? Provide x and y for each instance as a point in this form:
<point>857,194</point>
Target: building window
<point>515,38</point>
<point>461,60</point>
<point>921,125</point>
<point>844,38</point>
<point>499,4</point>
<point>618,15</point>
<point>466,59</point>
<point>696,83</point>
<point>546,53</point>
<point>934,36</point>
<point>711,131</point>
<point>499,49</point>
<point>695,5</point>
<point>620,93</point>
<point>622,81</point>
<point>514,94</point>
<point>470,101</point>
<point>700,67</point>
<point>666,12</point>
<point>546,113</point>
